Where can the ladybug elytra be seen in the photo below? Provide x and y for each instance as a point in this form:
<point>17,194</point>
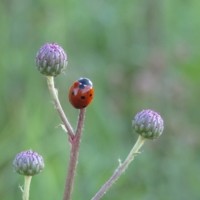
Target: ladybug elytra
<point>81,93</point>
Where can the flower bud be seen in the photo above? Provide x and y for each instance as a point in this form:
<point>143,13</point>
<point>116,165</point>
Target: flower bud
<point>148,124</point>
<point>51,59</point>
<point>28,163</point>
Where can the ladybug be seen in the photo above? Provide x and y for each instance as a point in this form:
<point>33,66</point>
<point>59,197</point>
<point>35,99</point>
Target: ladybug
<point>81,93</point>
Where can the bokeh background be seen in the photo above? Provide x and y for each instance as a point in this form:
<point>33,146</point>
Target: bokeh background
<point>139,55</point>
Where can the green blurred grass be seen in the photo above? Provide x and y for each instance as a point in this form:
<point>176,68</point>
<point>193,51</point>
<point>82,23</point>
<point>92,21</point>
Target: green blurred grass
<point>139,55</point>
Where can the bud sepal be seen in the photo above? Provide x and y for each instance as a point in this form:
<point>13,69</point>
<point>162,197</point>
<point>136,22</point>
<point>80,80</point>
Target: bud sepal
<point>51,59</point>
<point>148,124</point>
<point>28,163</point>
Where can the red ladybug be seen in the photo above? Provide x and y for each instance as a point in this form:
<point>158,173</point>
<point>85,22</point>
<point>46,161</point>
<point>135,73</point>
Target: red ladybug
<point>81,93</point>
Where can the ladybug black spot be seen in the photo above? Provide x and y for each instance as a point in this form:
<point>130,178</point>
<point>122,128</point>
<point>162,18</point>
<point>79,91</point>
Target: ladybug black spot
<point>82,97</point>
<point>73,93</point>
<point>90,95</point>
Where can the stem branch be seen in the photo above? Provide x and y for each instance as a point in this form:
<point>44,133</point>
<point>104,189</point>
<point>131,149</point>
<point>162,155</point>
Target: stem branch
<point>120,169</point>
<point>27,182</point>
<point>75,146</point>
<point>54,93</point>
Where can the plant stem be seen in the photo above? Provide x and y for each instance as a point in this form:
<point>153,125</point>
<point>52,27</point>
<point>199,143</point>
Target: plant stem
<point>54,93</point>
<point>27,182</point>
<point>120,169</point>
<point>75,146</point>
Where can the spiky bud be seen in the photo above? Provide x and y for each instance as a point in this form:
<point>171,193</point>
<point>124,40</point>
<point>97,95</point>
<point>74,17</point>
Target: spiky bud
<point>148,124</point>
<point>28,163</point>
<point>51,59</point>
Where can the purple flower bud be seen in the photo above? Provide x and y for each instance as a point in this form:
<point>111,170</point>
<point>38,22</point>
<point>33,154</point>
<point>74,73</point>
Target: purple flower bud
<point>148,124</point>
<point>28,163</point>
<point>51,59</point>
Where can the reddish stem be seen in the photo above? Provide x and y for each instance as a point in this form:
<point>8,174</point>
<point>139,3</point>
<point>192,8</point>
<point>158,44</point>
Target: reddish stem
<point>75,146</point>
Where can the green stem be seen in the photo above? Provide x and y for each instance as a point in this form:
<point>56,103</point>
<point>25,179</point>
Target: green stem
<point>75,146</point>
<point>122,167</point>
<point>54,93</point>
<point>27,182</point>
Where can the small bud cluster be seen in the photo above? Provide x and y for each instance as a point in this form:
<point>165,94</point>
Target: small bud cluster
<point>28,163</point>
<point>148,124</point>
<point>51,59</point>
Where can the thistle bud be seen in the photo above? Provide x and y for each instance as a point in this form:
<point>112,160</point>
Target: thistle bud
<point>148,124</point>
<point>28,163</point>
<point>51,59</point>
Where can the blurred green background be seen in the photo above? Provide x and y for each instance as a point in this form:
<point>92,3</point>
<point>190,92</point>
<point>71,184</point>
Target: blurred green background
<point>139,55</point>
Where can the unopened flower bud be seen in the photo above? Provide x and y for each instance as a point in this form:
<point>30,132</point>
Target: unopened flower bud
<point>28,163</point>
<point>148,124</point>
<point>51,59</point>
